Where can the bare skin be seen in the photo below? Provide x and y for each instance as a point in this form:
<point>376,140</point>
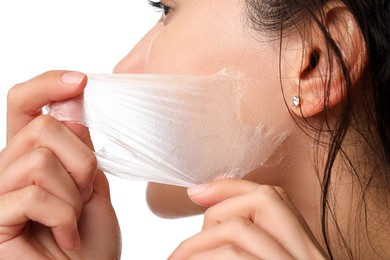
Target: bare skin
<point>51,192</point>
<point>187,41</point>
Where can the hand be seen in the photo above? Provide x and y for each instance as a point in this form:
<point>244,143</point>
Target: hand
<point>248,221</point>
<point>54,203</point>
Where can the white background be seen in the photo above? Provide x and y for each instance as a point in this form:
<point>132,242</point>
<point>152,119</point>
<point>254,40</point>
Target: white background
<point>89,36</point>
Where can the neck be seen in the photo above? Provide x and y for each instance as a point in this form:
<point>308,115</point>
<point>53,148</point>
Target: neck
<point>359,199</point>
<point>358,215</point>
<point>292,168</point>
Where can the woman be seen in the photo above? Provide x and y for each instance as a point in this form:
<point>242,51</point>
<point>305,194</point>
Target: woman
<point>323,194</point>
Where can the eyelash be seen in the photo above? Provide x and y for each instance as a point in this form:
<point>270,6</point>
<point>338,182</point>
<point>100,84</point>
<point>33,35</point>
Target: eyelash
<point>160,6</point>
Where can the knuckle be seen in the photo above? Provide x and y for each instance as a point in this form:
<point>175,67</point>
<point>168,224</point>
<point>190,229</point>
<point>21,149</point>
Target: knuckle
<point>267,193</point>
<point>267,189</point>
<point>238,225</point>
<point>34,195</point>
<point>42,159</point>
<point>232,250</point>
<point>282,192</point>
<point>41,125</point>
<point>89,167</point>
<point>13,95</point>
<point>69,215</point>
<point>210,214</point>
<point>185,244</point>
<point>48,73</point>
<point>90,164</point>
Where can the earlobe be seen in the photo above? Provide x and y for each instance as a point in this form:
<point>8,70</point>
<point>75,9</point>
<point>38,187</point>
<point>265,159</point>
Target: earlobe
<point>321,81</point>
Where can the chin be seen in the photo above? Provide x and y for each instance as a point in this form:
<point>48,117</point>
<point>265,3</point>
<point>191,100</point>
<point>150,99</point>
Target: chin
<point>168,201</point>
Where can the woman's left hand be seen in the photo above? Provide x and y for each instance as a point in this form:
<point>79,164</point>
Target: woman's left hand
<point>248,221</point>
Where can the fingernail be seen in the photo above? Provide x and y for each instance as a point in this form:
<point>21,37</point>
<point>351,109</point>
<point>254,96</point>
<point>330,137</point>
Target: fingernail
<point>86,193</point>
<point>72,78</point>
<point>197,190</point>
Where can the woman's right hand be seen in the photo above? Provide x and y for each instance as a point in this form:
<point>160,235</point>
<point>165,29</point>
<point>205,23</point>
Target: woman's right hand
<point>54,203</point>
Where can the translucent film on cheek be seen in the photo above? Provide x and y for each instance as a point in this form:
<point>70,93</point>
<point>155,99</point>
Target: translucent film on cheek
<point>180,130</point>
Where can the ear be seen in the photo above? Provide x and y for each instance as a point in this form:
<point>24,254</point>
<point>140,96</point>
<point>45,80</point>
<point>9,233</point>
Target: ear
<point>318,74</point>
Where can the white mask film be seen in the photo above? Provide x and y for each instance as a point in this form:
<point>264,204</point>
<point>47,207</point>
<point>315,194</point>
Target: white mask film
<point>171,129</point>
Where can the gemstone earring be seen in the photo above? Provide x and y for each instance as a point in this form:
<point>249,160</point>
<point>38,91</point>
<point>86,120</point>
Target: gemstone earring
<point>296,101</point>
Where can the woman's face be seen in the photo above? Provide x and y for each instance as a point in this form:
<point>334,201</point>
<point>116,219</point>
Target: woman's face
<point>196,37</point>
<point>203,37</point>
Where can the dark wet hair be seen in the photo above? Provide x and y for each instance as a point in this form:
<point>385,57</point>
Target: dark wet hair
<point>372,16</point>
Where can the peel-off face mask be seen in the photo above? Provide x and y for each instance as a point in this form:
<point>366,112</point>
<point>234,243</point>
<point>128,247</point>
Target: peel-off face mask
<point>180,130</point>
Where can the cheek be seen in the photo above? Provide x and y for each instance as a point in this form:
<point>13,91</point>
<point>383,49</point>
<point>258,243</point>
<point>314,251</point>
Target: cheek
<point>260,89</point>
<point>197,53</point>
<point>262,102</point>
<point>194,42</point>
<point>203,47</point>
<point>172,52</point>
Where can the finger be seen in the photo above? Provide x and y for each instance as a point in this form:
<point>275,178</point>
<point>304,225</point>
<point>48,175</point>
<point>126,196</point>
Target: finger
<point>220,190</point>
<point>41,167</point>
<point>266,208</point>
<point>239,232</point>
<point>100,185</point>
<point>212,193</point>
<point>34,203</point>
<point>25,100</point>
<point>45,131</point>
<point>228,252</point>
<point>262,202</point>
<point>82,132</point>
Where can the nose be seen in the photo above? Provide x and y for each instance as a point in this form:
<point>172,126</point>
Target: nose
<point>135,60</point>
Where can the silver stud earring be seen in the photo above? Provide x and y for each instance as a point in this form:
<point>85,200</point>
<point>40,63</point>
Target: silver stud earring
<point>296,101</point>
